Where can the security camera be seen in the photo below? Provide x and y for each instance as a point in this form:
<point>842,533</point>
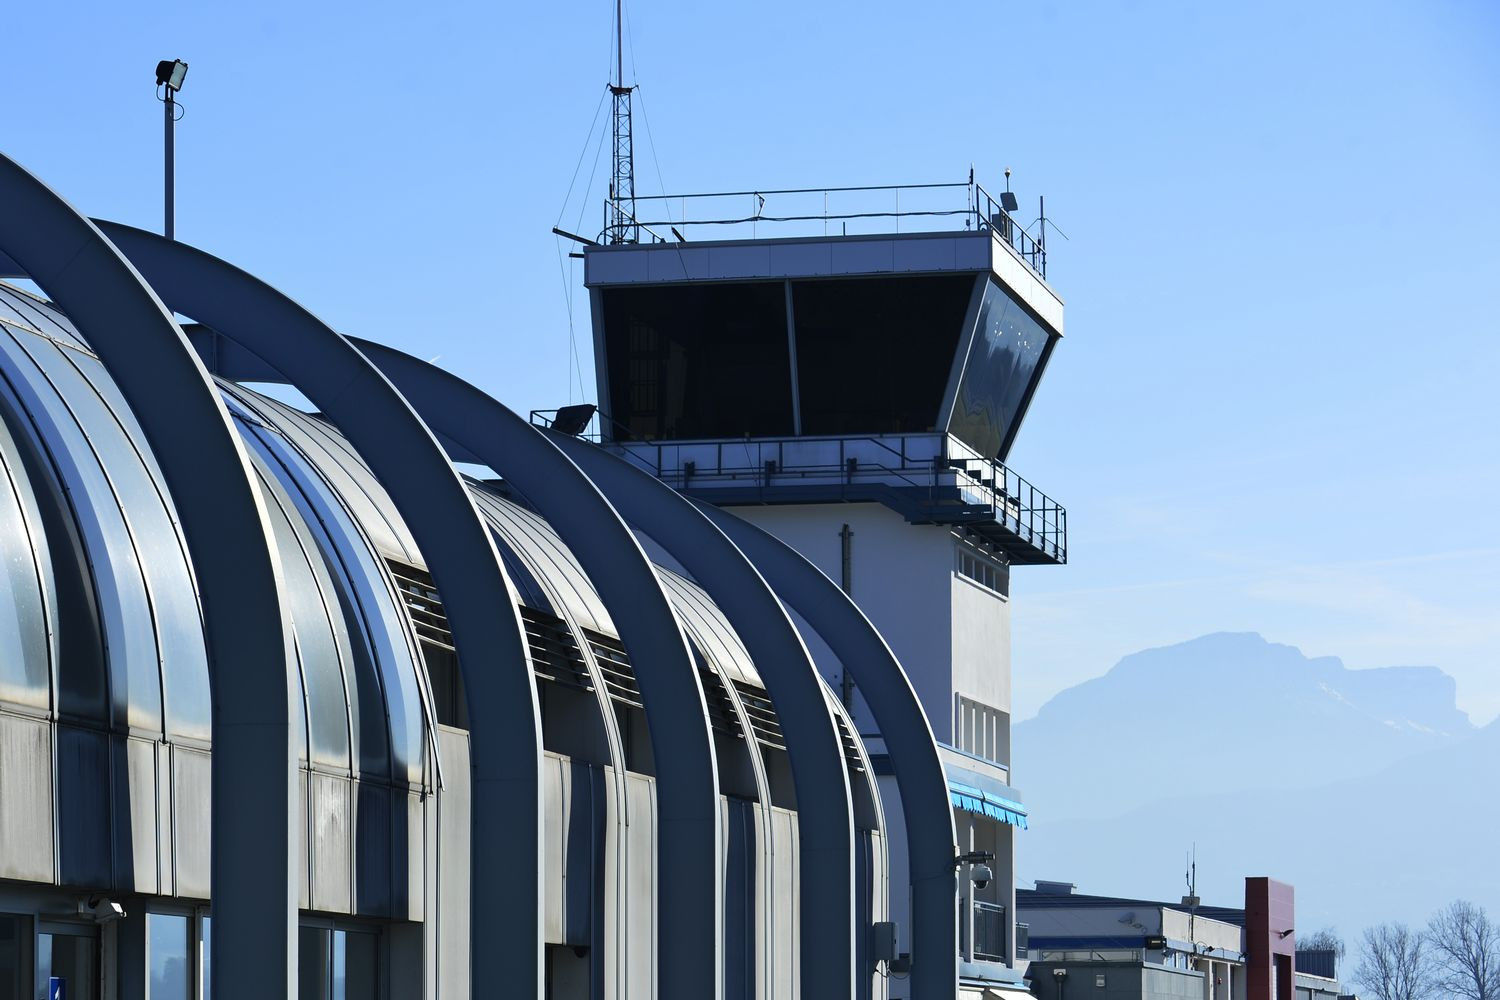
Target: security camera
<point>981,876</point>
<point>103,910</point>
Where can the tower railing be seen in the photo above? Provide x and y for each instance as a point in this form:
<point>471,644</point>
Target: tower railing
<point>826,211</point>
<point>943,479</point>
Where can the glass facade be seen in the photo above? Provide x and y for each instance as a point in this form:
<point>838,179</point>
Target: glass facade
<point>874,354</point>
<point>699,361</point>
<point>1003,364</point>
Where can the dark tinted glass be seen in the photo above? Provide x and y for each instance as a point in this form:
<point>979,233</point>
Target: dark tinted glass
<point>874,354</point>
<point>696,361</point>
<point>1003,363</point>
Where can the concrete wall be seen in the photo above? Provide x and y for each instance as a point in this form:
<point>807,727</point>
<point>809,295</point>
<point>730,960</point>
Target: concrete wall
<point>901,578</point>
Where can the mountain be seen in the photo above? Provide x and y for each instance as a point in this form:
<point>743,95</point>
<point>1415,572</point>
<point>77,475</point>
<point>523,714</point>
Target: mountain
<point>1393,845</point>
<point>1228,712</point>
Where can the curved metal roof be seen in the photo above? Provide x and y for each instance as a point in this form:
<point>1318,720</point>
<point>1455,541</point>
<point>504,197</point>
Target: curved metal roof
<point>103,623</point>
<point>64,407</point>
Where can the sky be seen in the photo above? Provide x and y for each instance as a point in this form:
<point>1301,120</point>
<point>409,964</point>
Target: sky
<point>1275,408</point>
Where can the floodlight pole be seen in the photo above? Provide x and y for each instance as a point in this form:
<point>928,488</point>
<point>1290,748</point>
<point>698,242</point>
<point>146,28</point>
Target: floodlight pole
<point>170,227</point>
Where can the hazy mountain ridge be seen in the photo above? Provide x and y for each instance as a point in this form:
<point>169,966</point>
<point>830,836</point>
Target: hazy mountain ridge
<point>1242,712</point>
<point>1367,789</point>
<point>1395,845</point>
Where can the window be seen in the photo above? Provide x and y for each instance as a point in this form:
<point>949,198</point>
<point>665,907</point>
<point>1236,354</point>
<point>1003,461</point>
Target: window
<point>15,956</point>
<point>983,570</point>
<point>874,354</point>
<point>337,964</point>
<point>171,968</point>
<point>1005,360</point>
<point>698,361</point>
<point>68,954</point>
<point>981,730</point>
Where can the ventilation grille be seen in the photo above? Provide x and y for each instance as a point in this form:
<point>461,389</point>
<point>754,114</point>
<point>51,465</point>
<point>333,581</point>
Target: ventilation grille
<point>423,604</point>
<point>554,654</point>
<point>851,748</point>
<point>614,664</point>
<point>762,715</point>
<point>721,714</point>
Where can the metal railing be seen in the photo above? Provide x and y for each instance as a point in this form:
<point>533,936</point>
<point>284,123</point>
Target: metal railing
<point>920,463</point>
<point>923,464</point>
<point>826,211</point>
<point>989,932</point>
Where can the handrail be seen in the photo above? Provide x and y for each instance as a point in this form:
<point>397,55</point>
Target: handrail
<point>1016,503</point>
<point>979,211</point>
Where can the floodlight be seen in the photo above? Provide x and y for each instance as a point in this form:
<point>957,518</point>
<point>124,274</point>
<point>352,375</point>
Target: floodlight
<point>170,73</point>
<point>573,420</point>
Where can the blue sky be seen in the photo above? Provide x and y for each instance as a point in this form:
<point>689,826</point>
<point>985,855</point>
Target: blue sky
<point>1276,406</point>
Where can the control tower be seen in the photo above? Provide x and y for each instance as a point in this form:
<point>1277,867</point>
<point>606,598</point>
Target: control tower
<point>854,387</point>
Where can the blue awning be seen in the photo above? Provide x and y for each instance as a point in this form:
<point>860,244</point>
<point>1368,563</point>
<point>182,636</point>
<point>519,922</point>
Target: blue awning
<point>982,803</point>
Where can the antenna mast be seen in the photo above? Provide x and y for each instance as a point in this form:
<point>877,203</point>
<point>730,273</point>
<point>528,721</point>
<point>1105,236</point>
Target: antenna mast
<point>622,227</point>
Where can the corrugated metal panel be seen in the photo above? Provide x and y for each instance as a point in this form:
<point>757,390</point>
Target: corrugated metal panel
<point>192,792</point>
<point>546,559</point>
<point>330,842</point>
<point>26,849</point>
<point>709,629</point>
<point>124,601</point>
<point>374,616</point>
<point>453,927</point>
<point>27,604</point>
<point>326,449</point>
<point>640,886</point>
<point>23,310</point>
<point>556,801</point>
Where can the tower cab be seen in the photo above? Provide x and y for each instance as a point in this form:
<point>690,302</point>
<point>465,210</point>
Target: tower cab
<point>857,395</point>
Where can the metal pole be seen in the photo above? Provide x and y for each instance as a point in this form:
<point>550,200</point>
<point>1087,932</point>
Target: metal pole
<point>846,582</point>
<point>170,229</point>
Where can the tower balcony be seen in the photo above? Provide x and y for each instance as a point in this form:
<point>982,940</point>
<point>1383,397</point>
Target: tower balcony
<point>928,478</point>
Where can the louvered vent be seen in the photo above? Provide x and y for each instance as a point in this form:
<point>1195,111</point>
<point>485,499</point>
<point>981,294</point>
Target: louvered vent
<point>554,654</point>
<point>851,749</point>
<point>762,715</point>
<point>614,664</point>
<point>423,604</point>
<point>721,713</point>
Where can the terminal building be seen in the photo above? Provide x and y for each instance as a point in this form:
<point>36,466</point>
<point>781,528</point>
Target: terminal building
<point>1113,948</point>
<point>326,675</point>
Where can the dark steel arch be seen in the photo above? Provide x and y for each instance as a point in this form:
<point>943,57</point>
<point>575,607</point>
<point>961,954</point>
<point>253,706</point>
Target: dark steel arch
<point>479,599</point>
<point>825,811</point>
<point>930,837</point>
<point>254,881</point>
<point>690,914</point>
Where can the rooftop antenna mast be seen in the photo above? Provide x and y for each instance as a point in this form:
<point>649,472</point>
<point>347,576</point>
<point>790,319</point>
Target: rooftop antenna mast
<point>622,227</point>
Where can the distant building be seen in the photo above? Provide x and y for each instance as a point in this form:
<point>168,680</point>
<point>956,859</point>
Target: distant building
<point>1086,947</point>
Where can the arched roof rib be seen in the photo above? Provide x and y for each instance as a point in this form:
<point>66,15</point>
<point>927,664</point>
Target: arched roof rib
<point>690,896</point>
<point>479,601</point>
<point>221,518</point>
